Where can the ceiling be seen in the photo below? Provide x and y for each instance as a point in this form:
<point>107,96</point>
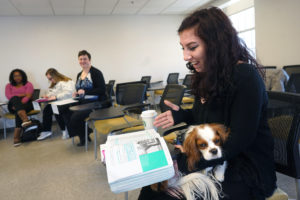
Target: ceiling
<point>98,7</point>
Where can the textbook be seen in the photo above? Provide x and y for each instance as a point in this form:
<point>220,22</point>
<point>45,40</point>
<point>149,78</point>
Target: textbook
<point>137,159</point>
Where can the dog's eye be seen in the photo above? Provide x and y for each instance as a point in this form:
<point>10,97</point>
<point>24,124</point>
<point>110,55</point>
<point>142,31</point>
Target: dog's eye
<point>217,141</point>
<point>203,145</point>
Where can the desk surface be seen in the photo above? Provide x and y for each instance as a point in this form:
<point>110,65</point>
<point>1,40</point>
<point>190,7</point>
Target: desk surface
<point>107,113</point>
<point>87,106</point>
<point>156,88</point>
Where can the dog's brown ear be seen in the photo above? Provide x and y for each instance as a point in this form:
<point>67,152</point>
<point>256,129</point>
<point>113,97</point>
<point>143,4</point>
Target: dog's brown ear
<point>191,150</point>
<point>221,130</point>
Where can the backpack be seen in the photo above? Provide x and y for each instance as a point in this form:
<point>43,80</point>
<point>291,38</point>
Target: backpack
<point>31,132</point>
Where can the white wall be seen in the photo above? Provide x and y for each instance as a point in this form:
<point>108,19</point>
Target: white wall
<point>277,26</point>
<point>123,47</point>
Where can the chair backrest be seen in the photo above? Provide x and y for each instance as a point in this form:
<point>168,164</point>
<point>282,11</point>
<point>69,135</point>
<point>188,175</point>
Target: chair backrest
<point>187,81</point>
<point>284,123</point>
<point>146,79</point>
<point>173,78</point>
<point>268,67</point>
<point>293,84</point>
<point>290,69</point>
<point>109,90</point>
<point>111,82</point>
<point>173,93</point>
<point>130,92</point>
<point>36,94</point>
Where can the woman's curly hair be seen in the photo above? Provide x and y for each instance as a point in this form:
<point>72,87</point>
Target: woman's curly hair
<point>11,77</point>
<point>224,49</point>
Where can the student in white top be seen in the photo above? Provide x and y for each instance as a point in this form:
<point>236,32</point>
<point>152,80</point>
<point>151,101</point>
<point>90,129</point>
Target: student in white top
<point>61,87</point>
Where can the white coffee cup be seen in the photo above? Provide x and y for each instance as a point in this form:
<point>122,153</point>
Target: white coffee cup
<point>148,117</point>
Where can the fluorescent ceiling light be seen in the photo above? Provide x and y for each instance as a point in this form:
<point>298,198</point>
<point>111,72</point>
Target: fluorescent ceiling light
<point>227,4</point>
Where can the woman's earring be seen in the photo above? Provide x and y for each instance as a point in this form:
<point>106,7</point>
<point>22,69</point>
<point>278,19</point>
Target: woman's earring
<point>189,66</point>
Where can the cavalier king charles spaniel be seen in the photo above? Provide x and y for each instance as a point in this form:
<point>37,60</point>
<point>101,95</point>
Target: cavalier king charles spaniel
<point>201,141</point>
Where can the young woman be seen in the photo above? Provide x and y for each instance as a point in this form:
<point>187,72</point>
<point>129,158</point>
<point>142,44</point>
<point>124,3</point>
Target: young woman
<point>19,92</point>
<point>228,89</point>
<point>90,81</point>
<point>61,87</point>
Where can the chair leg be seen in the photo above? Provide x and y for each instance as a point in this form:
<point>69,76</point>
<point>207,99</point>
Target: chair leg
<point>4,127</point>
<point>298,188</point>
<point>73,141</point>
<point>86,135</point>
<point>95,143</point>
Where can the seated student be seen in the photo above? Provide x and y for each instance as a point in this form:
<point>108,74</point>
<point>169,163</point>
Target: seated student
<point>61,87</point>
<point>90,81</point>
<point>19,92</point>
<point>228,89</point>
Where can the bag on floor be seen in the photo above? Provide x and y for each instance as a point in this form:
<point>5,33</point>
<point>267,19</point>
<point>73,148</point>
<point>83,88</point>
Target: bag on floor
<point>31,132</point>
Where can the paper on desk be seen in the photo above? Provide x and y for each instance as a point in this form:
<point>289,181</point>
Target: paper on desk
<point>36,105</point>
<point>64,102</point>
<point>54,109</point>
<point>59,103</point>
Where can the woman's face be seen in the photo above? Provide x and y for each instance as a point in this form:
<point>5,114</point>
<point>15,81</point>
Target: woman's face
<point>84,61</point>
<point>193,49</point>
<point>17,77</point>
<point>50,78</point>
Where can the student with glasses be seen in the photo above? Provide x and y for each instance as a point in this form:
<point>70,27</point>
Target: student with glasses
<point>61,87</point>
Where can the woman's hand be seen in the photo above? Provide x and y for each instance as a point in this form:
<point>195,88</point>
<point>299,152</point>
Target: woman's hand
<point>45,97</point>
<point>81,92</point>
<point>74,94</point>
<point>166,119</point>
<point>51,98</point>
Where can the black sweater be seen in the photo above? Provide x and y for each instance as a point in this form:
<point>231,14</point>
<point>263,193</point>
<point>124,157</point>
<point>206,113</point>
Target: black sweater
<point>98,84</point>
<point>249,148</point>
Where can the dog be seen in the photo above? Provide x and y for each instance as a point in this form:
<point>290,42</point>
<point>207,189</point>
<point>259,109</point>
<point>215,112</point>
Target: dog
<point>201,141</point>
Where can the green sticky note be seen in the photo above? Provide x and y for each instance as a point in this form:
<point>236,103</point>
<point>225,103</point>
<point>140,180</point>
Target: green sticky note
<point>153,160</point>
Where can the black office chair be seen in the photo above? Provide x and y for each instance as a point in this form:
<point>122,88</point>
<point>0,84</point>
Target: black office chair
<point>129,97</point>
<point>293,84</point>
<point>291,69</point>
<point>187,81</point>
<point>173,93</point>
<point>284,122</point>
<point>173,78</point>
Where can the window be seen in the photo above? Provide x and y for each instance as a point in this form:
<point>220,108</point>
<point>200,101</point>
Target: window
<point>244,23</point>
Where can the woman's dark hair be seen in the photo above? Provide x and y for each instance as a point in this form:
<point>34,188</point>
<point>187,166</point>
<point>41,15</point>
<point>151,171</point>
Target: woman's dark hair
<point>223,49</point>
<point>11,77</point>
<point>84,52</point>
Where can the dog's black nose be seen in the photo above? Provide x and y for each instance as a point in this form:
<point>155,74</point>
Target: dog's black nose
<point>214,151</point>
